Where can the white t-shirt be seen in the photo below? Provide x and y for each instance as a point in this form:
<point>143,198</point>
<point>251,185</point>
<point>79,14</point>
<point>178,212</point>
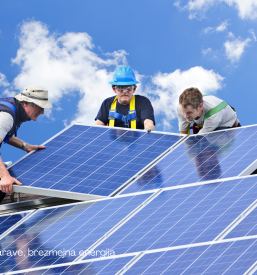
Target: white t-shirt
<point>224,118</point>
<point>6,124</point>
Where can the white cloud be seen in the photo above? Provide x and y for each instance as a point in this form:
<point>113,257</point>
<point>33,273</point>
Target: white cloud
<point>206,51</point>
<point>247,9</point>
<point>253,34</point>
<point>235,49</point>
<point>222,27</point>
<point>208,30</point>
<point>165,92</point>
<point>231,35</point>
<point>3,80</point>
<point>66,64</point>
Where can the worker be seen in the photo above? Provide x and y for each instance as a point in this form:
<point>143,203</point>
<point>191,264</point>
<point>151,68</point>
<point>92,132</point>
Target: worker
<point>126,109</point>
<point>23,107</point>
<point>208,113</point>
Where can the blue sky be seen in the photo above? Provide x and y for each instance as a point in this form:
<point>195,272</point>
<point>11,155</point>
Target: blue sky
<point>72,48</point>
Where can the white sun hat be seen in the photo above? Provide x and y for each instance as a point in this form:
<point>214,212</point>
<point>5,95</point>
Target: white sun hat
<point>35,94</point>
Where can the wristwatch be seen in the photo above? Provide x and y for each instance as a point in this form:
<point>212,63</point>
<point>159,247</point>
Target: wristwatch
<point>23,145</point>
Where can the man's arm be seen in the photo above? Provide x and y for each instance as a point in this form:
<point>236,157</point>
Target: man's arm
<point>183,124</point>
<point>99,122</point>
<point>16,142</point>
<point>148,123</point>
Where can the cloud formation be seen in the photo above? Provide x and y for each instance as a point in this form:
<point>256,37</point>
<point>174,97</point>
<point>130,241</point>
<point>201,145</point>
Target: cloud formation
<point>246,9</point>
<point>222,27</point>
<point>67,65</point>
<point>253,34</point>
<point>235,48</point>
<point>3,80</point>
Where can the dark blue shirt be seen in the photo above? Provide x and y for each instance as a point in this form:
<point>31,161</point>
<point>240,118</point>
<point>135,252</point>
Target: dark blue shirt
<point>144,110</point>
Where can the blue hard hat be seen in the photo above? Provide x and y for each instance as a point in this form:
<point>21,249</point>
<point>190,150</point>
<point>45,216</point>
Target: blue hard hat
<point>124,76</point>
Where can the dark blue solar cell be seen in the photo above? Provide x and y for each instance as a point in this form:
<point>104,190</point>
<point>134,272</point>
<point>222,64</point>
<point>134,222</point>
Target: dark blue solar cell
<point>201,158</point>
<point>69,229</point>
<point>247,227</point>
<point>107,267</point>
<point>224,258</point>
<point>184,216</point>
<point>107,156</point>
<point>8,221</point>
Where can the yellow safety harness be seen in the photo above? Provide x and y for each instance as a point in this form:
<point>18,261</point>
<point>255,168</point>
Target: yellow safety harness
<point>131,117</point>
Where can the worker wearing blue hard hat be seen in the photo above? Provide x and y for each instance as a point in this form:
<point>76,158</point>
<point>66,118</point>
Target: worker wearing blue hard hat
<point>126,109</point>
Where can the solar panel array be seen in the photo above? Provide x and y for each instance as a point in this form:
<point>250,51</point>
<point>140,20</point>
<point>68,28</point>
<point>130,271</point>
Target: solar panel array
<point>169,204</point>
<point>90,160</point>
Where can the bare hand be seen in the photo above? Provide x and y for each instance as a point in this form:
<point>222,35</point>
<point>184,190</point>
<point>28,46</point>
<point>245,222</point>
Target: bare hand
<point>6,183</point>
<point>28,148</point>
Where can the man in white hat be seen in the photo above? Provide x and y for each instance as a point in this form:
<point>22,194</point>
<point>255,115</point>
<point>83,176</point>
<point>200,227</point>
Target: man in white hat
<point>23,107</point>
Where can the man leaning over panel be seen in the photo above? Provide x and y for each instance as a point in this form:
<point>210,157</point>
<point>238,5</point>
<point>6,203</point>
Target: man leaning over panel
<point>23,107</point>
<point>208,113</point>
<point>126,109</point>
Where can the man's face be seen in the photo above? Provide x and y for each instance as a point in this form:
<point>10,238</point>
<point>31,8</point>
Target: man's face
<point>124,93</point>
<point>191,113</point>
<point>32,111</point>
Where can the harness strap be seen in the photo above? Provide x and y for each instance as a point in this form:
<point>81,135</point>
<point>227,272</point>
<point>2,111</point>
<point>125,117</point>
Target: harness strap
<point>112,112</point>
<point>8,104</point>
<point>132,107</point>
<point>130,117</point>
<point>215,110</point>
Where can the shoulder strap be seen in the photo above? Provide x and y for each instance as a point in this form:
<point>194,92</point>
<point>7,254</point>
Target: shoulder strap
<point>112,110</point>
<point>8,104</point>
<point>215,110</point>
<point>12,107</point>
<point>132,109</point>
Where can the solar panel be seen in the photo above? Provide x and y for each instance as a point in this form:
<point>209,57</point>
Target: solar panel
<point>104,266</point>
<point>247,227</point>
<point>189,227</point>
<point>184,216</point>
<point>222,258</point>
<point>86,160</point>
<point>70,229</point>
<point>7,221</point>
<point>211,156</point>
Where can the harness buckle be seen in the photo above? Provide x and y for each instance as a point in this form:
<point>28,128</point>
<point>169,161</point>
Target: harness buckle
<point>112,113</point>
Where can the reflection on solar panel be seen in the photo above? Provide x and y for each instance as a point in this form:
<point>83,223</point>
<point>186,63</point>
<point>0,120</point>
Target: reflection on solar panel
<point>171,219</point>
<point>98,267</point>
<point>89,160</point>
<point>208,157</point>
<point>223,258</point>
<point>69,228</point>
<point>184,216</point>
<point>8,221</point>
